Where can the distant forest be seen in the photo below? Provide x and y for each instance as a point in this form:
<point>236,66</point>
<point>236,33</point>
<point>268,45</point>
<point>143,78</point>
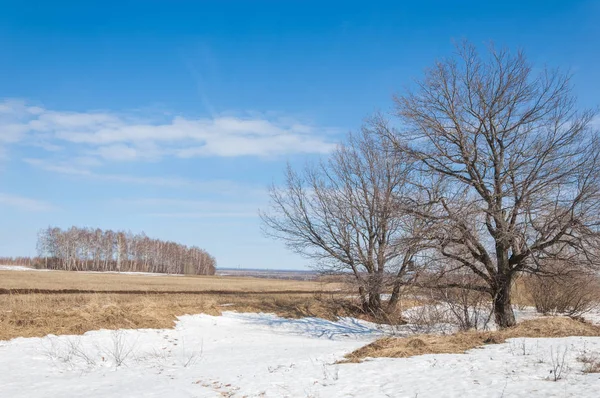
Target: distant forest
<point>88,249</point>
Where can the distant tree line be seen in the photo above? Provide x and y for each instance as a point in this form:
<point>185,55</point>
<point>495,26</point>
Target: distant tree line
<point>88,249</point>
<point>22,261</point>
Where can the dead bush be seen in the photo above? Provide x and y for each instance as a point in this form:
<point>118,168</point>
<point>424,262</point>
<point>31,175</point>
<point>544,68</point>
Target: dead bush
<point>591,361</point>
<point>429,318</point>
<point>455,304</point>
<point>467,309</point>
<point>520,294</point>
<point>568,293</point>
<point>403,347</point>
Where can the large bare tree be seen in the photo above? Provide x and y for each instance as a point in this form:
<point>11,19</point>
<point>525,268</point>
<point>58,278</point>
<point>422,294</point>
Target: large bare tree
<point>344,214</point>
<point>510,165</point>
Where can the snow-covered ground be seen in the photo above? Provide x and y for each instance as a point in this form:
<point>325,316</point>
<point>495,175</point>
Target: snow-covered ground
<point>441,318</point>
<point>23,268</point>
<point>593,316</point>
<point>19,268</point>
<point>262,355</point>
<point>129,273</point>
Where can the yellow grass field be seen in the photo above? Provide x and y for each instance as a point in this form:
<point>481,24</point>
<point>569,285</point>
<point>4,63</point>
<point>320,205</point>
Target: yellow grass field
<point>57,280</point>
<point>141,301</point>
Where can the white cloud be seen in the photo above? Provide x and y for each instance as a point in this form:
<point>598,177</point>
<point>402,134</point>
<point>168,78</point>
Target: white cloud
<point>230,200</point>
<point>12,132</point>
<point>47,146</point>
<point>130,137</point>
<point>23,203</point>
<point>151,180</point>
<point>257,146</point>
<point>76,167</point>
<point>62,168</point>
<point>69,169</point>
<point>205,215</point>
<point>175,203</point>
<point>238,200</point>
<point>230,205</point>
<point>119,152</point>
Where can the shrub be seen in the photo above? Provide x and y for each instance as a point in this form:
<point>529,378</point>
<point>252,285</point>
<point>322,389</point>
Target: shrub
<point>566,293</point>
<point>468,309</point>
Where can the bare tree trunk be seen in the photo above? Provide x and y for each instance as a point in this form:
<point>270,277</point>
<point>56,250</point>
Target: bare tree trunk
<point>503,311</point>
<point>363,299</point>
<point>374,303</point>
<point>395,297</point>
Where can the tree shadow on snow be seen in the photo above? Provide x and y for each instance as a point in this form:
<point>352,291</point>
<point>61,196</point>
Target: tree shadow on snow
<point>314,327</point>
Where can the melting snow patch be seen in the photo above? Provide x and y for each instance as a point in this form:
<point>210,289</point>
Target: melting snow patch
<point>19,268</point>
<point>262,355</point>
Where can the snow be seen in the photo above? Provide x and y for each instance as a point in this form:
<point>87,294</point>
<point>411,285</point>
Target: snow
<point>262,355</point>
<point>129,273</point>
<point>439,318</point>
<point>19,268</point>
<point>593,316</point>
<point>23,268</point>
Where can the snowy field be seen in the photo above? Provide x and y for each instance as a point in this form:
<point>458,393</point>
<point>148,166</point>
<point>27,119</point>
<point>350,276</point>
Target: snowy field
<point>23,268</point>
<point>262,355</point>
<point>19,268</point>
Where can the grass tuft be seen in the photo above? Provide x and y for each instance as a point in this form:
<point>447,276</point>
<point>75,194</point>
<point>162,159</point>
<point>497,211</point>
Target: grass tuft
<point>393,347</point>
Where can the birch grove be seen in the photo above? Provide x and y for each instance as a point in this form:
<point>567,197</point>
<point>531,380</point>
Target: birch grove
<point>88,249</point>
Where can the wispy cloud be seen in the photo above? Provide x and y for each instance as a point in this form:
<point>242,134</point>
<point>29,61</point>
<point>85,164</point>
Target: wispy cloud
<point>113,136</point>
<point>221,187</point>
<point>22,203</point>
<point>252,195</point>
<point>59,167</point>
<point>228,206</point>
<point>205,215</point>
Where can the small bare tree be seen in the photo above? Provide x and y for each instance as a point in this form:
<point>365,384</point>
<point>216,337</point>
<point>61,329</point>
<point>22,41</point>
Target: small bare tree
<point>510,166</point>
<point>345,214</point>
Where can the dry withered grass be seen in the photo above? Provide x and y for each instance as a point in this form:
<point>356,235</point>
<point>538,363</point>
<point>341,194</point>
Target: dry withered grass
<point>590,361</point>
<point>57,280</point>
<point>73,303</point>
<point>36,315</point>
<point>112,304</point>
<point>521,295</point>
<point>460,342</point>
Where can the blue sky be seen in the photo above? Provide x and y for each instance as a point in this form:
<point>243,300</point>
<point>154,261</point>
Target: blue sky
<point>174,117</point>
